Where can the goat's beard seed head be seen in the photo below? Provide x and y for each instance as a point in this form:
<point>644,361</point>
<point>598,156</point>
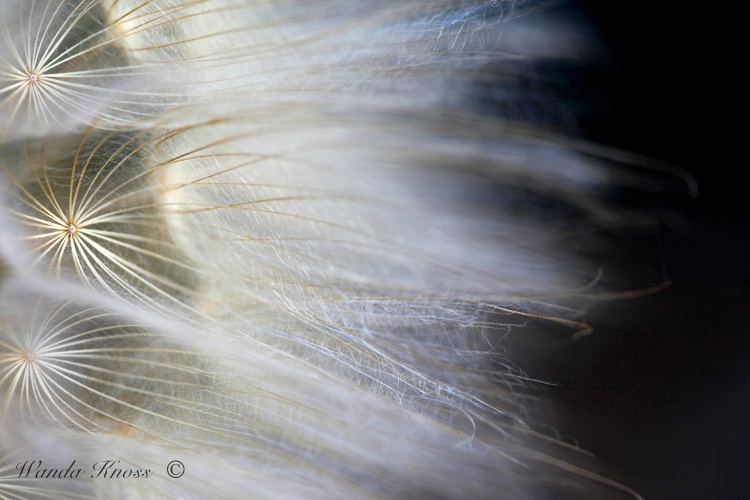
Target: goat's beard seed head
<point>250,237</point>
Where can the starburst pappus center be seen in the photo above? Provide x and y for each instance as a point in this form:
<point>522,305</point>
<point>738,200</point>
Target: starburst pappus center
<point>72,228</point>
<point>34,77</point>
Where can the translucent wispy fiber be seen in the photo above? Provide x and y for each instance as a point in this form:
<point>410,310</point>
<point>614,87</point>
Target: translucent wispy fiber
<point>248,236</point>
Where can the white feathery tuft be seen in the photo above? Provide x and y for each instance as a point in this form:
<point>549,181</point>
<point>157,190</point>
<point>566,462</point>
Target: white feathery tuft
<point>245,235</point>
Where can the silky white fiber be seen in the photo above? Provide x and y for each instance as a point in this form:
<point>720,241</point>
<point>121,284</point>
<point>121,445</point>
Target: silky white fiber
<point>280,243</point>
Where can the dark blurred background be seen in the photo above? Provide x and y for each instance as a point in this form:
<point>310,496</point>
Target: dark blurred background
<point>661,391</point>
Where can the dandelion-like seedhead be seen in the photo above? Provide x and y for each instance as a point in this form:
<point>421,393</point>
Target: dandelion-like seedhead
<point>57,63</point>
<point>240,233</point>
<point>91,210</point>
<point>88,368</point>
